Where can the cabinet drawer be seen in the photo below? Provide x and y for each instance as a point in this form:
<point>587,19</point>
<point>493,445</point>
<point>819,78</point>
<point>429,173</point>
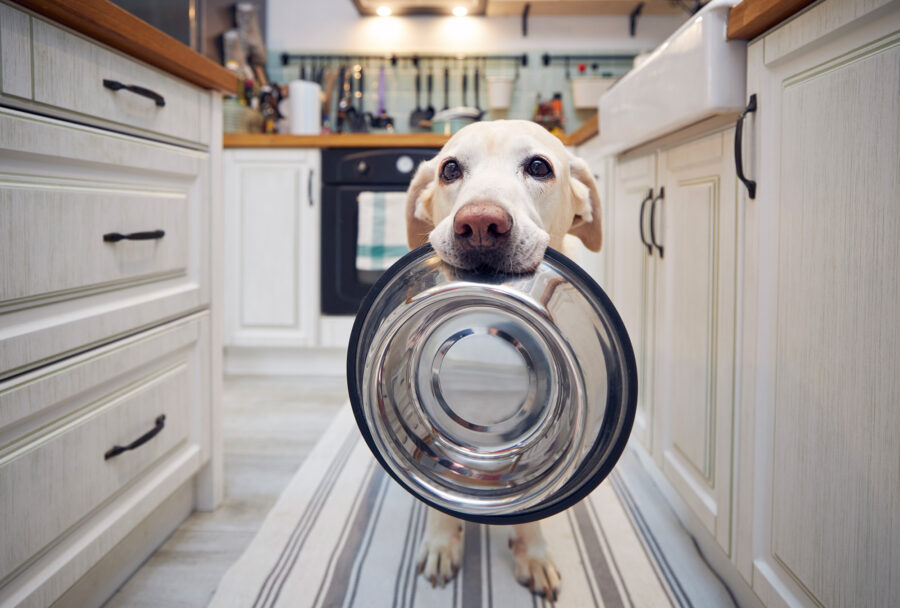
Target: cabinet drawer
<point>57,232</point>
<point>65,419</point>
<point>69,73</point>
<point>63,186</point>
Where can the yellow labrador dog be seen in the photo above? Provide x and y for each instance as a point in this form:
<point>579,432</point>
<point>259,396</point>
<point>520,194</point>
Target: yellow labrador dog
<point>496,196</point>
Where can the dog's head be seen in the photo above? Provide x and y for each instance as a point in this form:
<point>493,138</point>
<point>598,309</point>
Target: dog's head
<point>498,194</point>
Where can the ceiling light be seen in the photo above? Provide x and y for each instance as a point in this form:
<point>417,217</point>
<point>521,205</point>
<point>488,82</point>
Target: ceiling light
<point>460,11</point>
<point>384,11</point>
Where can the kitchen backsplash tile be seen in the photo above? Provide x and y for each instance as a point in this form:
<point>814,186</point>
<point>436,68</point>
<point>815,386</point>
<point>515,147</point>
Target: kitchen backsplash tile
<point>532,81</point>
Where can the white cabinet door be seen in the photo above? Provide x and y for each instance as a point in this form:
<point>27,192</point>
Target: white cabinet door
<point>598,264</point>
<point>823,321</point>
<point>272,247</point>
<point>633,286</point>
<point>696,325</point>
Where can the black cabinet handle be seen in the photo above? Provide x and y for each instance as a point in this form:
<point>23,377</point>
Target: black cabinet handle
<point>738,152</point>
<point>309,186</point>
<point>115,85</point>
<point>118,449</point>
<point>644,202</point>
<point>115,237</point>
<point>659,197</point>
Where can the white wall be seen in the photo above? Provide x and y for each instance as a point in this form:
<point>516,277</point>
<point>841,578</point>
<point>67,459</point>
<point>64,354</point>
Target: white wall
<point>334,25</point>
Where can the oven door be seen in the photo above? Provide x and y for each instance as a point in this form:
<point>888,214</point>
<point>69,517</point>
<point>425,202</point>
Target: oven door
<point>343,285</point>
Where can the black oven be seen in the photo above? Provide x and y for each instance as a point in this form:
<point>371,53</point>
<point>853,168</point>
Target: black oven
<point>346,172</point>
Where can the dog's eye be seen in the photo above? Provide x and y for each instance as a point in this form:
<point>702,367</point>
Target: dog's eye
<point>450,171</point>
<point>539,168</point>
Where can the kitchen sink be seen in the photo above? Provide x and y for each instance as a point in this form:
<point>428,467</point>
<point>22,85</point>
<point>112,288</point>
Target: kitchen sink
<point>696,74</point>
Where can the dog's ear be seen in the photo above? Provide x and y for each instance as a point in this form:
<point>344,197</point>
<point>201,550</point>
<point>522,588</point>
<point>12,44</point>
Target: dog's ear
<point>418,204</point>
<point>586,224</point>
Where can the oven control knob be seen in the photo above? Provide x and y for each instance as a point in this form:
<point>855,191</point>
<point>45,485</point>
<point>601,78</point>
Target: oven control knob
<point>405,164</point>
<point>362,167</point>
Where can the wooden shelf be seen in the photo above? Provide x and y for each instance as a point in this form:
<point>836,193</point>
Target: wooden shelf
<point>105,22</point>
<point>588,130</point>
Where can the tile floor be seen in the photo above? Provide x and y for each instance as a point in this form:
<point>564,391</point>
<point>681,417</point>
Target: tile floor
<point>270,426</point>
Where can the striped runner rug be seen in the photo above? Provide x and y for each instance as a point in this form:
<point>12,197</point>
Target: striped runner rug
<point>344,534</point>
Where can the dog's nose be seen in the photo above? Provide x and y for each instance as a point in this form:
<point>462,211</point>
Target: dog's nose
<point>482,225</point>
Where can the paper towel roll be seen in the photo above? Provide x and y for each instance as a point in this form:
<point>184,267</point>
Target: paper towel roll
<point>305,107</point>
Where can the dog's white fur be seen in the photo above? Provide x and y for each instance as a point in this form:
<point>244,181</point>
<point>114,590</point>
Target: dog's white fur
<point>493,156</point>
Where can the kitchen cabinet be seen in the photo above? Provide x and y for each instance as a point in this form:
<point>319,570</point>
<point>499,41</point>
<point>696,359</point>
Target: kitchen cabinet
<point>109,324</point>
<point>634,277</point>
<point>273,320</point>
<point>271,214</point>
<point>695,325</point>
<point>818,465</point>
<point>597,264</point>
<point>675,278</point>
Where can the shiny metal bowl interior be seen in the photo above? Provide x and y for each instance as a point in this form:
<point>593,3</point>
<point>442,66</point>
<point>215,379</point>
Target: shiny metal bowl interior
<point>495,398</point>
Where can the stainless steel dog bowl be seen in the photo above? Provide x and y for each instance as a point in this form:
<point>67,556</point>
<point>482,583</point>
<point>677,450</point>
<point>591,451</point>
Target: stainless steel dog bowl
<point>494,398</point>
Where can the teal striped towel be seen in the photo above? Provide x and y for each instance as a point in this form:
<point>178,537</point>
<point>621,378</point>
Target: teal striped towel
<point>381,229</point>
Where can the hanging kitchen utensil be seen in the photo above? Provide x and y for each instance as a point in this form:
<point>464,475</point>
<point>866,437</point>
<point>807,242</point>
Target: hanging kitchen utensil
<point>318,74</point>
<point>451,120</point>
<point>354,92</point>
<point>331,78</point>
<point>495,398</point>
<point>359,120</point>
<point>417,115</point>
<point>429,111</point>
<point>465,82</point>
<point>381,120</point>
<point>344,100</point>
<point>446,87</point>
<point>477,105</point>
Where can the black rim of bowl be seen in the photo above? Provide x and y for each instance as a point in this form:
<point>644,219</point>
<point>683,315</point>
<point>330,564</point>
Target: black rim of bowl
<point>624,421</point>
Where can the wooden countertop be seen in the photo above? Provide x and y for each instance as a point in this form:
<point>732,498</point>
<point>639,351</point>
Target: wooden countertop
<point>342,140</point>
<point>751,18</point>
<point>588,130</point>
<point>373,140</point>
<point>107,23</point>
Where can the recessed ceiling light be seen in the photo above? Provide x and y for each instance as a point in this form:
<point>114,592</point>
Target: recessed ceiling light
<point>383,11</point>
<point>460,11</point>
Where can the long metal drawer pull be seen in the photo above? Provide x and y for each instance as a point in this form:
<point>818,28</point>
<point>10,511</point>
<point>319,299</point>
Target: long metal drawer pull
<point>115,237</point>
<point>115,85</point>
<point>738,152</point>
<point>644,202</point>
<point>118,449</point>
<point>659,197</point>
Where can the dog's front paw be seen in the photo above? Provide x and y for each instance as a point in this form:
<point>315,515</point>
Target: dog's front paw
<point>440,554</point>
<point>535,569</point>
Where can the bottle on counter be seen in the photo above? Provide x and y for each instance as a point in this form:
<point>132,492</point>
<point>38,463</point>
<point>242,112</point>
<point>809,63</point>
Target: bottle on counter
<point>557,105</point>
